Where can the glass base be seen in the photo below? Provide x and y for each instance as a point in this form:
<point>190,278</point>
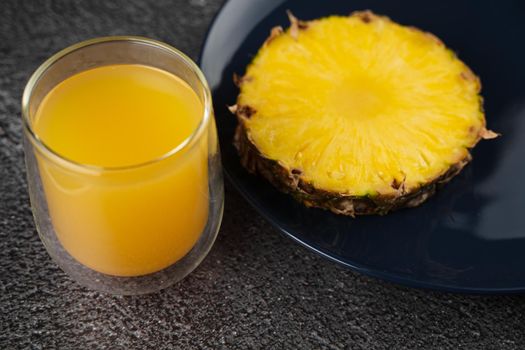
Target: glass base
<point>135,285</point>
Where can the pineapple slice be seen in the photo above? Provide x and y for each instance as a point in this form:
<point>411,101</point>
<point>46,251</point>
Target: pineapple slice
<point>358,114</point>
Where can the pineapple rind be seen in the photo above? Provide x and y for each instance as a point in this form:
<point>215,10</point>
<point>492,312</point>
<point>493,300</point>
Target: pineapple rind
<point>289,181</point>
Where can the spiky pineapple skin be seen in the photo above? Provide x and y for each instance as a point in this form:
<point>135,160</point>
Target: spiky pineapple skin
<point>291,182</point>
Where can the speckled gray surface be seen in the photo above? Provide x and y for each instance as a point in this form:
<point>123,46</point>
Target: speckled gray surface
<point>256,289</point>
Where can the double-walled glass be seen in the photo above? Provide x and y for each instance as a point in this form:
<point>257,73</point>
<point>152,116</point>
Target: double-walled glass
<point>171,207</point>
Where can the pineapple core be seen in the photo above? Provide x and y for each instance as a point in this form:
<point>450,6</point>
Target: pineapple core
<point>359,106</point>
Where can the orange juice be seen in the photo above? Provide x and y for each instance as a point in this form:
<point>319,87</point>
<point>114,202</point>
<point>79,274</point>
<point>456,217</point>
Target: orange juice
<point>137,208</point>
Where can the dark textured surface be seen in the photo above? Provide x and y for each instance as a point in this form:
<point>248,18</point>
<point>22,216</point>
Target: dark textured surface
<point>256,290</point>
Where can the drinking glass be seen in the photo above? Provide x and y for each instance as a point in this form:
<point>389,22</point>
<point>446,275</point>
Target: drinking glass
<point>74,203</point>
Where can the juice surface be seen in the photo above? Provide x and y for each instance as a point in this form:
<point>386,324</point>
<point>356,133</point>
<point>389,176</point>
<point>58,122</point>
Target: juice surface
<point>142,219</point>
<point>118,115</point>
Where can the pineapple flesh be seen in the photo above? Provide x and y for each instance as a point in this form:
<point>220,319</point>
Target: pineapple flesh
<point>357,114</point>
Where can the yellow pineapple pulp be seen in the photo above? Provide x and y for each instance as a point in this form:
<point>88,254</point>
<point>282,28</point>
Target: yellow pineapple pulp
<point>357,114</point>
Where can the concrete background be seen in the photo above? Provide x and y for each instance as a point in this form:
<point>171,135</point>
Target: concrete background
<point>256,289</point>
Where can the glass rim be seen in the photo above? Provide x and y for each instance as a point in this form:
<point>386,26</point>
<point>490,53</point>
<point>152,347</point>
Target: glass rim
<point>54,155</point>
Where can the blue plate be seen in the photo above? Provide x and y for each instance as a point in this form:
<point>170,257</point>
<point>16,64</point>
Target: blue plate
<point>470,236</point>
